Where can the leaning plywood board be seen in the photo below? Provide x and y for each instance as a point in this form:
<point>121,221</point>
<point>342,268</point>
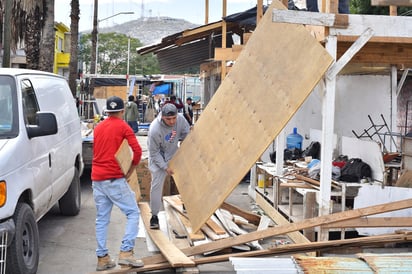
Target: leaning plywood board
<point>271,78</point>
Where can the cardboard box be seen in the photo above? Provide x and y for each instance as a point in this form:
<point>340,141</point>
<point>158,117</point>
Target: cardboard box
<point>145,178</point>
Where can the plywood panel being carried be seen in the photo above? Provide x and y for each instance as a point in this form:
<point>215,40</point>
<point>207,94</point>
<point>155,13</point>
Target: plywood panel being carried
<point>272,77</point>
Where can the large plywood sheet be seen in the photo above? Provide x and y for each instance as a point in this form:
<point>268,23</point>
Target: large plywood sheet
<point>272,77</point>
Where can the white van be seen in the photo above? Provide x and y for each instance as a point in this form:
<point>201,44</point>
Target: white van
<point>40,159</point>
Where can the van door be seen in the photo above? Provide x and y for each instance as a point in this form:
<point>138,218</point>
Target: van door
<point>39,147</point>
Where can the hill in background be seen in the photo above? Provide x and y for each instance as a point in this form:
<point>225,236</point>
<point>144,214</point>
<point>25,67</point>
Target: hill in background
<point>150,30</point>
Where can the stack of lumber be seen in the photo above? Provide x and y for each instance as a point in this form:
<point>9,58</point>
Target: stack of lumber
<point>172,256</point>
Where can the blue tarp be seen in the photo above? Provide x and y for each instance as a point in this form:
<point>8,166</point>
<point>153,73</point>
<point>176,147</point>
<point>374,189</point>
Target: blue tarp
<point>162,89</point>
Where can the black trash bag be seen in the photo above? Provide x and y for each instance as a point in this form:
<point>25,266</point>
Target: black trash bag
<point>355,170</point>
<point>312,150</point>
<point>288,154</point>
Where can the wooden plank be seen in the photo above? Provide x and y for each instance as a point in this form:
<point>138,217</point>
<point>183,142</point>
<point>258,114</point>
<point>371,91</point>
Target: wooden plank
<point>174,256</point>
<point>373,222</point>
<point>295,236</point>
<point>124,156</point>
<point>225,54</point>
<point>266,66</point>
<point>215,227</point>
<point>133,182</point>
<point>251,217</point>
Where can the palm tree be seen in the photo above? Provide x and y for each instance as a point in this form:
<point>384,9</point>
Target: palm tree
<point>28,16</point>
<point>74,28</point>
<point>46,58</point>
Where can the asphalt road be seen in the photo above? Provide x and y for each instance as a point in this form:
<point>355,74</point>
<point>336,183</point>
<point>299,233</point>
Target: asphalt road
<point>67,244</point>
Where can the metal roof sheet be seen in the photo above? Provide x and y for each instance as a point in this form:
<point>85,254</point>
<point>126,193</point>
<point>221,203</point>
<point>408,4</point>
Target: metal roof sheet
<point>363,263</point>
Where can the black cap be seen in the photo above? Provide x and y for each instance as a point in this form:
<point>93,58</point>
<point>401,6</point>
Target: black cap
<point>114,104</point>
<point>169,110</point>
<point>189,98</point>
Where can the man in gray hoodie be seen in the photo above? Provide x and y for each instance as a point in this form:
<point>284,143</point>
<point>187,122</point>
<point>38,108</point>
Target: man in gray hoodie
<point>131,114</point>
<point>164,134</point>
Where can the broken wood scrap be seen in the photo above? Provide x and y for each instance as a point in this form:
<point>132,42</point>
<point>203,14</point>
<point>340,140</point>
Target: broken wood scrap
<point>314,182</point>
<point>280,250</point>
<point>177,233</point>
<point>251,217</point>
<point>278,218</point>
<point>243,222</point>
<point>215,227</point>
<point>225,217</point>
<point>174,255</point>
<point>290,227</point>
<point>177,205</point>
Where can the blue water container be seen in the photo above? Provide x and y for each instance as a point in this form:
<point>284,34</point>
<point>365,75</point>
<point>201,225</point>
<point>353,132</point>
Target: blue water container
<point>294,140</point>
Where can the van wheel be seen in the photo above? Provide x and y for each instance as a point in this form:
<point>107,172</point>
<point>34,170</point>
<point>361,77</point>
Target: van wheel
<point>70,202</point>
<point>23,253</point>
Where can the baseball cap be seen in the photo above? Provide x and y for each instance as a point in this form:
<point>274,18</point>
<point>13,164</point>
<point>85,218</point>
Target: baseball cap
<point>114,104</point>
<point>169,110</point>
<point>189,98</point>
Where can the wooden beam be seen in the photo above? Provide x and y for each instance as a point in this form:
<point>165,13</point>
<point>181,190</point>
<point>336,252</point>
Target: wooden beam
<point>380,53</point>
<point>349,54</point>
<point>174,256</point>
<point>373,222</point>
<point>399,3</point>
<point>226,54</point>
<point>310,18</point>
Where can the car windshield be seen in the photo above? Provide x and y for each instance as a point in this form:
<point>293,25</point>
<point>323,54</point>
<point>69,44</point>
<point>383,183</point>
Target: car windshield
<point>8,108</point>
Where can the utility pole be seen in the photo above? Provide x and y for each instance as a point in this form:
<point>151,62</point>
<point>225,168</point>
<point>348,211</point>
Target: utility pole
<point>93,55</point>
<point>7,33</point>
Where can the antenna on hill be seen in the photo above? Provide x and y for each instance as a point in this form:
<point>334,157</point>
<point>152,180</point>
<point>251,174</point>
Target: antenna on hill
<point>142,10</point>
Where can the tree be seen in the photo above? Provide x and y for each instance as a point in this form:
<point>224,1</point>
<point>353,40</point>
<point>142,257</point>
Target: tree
<point>74,29</point>
<point>365,7</point>
<point>46,55</point>
<point>28,16</point>
<point>113,53</point>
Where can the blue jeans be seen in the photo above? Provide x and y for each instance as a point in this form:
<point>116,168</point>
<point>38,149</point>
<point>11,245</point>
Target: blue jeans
<point>134,125</point>
<point>115,192</point>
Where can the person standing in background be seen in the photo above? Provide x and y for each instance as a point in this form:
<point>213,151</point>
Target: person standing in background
<point>110,186</point>
<point>132,114</point>
<point>164,135</point>
<point>188,111</point>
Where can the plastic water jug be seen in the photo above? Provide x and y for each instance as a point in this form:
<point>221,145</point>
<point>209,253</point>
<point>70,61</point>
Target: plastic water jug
<point>294,140</point>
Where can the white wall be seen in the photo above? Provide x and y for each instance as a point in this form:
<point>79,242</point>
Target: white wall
<point>356,97</point>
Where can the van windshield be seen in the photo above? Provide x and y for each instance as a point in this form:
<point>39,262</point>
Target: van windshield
<point>8,108</point>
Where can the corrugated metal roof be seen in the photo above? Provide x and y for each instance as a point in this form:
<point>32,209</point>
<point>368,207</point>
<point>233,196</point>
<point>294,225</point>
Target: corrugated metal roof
<point>363,263</point>
<point>389,263</point>
<point>333,265</point>
<point>265,265</point>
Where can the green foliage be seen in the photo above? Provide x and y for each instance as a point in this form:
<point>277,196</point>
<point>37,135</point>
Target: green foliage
<point>364,7</point>
<point>113,53</point>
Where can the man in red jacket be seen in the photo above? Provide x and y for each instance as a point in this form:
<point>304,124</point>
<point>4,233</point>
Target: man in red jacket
<point>110,186</point>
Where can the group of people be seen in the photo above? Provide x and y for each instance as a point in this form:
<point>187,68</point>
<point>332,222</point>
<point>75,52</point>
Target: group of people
<point>186,109</point>
<point>110,185</point>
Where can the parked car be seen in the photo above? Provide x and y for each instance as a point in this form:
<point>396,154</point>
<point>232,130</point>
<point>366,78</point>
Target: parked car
<point>40,159</point>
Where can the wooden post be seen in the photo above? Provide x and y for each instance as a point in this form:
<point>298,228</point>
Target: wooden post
<point>309,211</point>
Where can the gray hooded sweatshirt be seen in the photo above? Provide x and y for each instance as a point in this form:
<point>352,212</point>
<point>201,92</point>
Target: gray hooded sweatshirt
<point>162,141</point>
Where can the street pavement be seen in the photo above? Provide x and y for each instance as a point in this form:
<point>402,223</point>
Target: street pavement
<point>67,244</point>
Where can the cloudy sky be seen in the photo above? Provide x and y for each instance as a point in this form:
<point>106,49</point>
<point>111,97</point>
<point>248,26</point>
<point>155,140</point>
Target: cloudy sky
<point>190,10</point>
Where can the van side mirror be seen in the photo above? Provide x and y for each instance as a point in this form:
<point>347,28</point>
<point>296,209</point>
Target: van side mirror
<point>46,124</point>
